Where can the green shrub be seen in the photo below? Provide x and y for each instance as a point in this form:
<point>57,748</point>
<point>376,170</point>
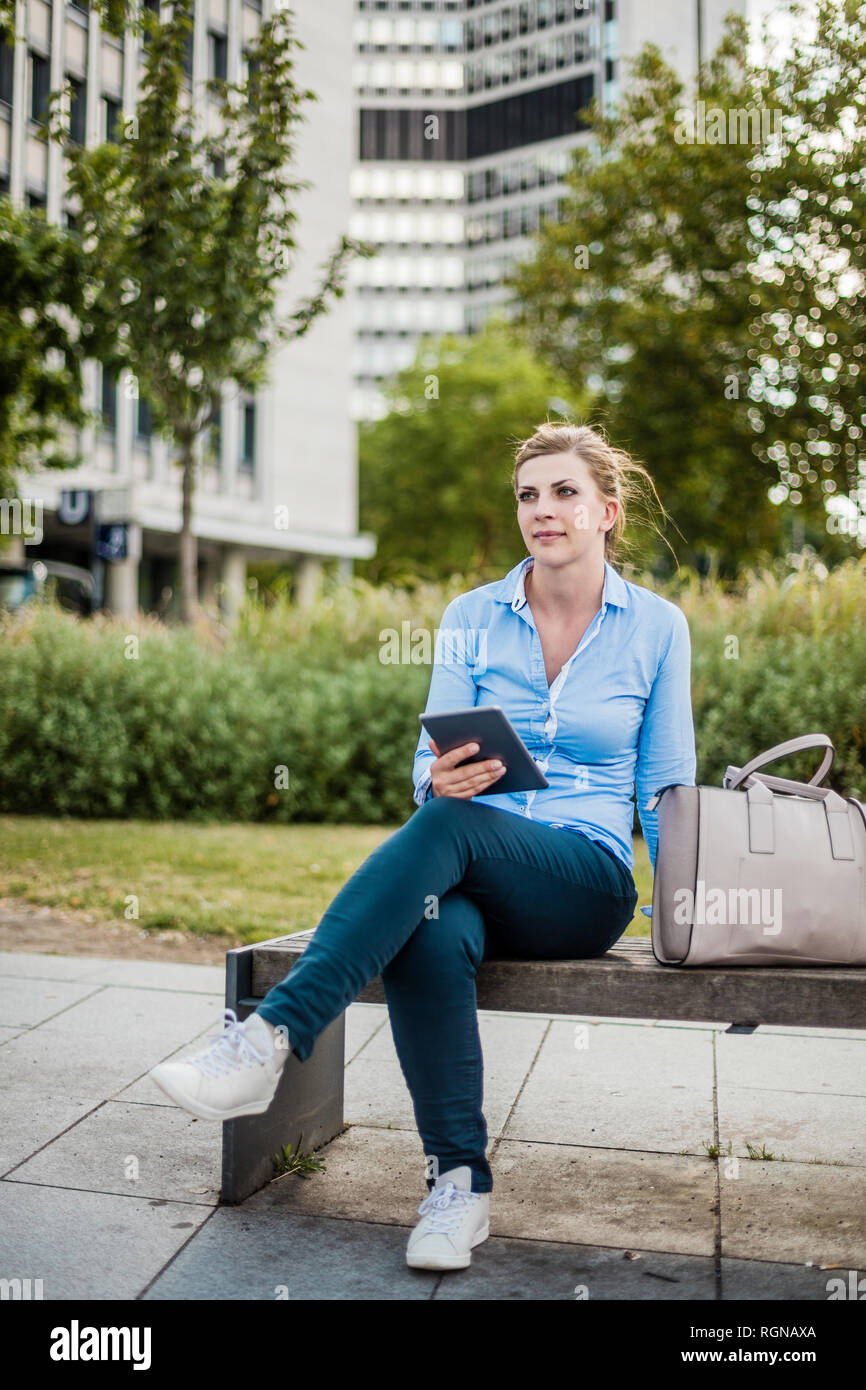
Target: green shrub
<point>199,722</point>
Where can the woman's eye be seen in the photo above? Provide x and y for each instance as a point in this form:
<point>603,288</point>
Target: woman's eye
<point>562,492</point>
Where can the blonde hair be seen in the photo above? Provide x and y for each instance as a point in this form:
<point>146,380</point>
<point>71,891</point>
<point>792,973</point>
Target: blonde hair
<point>614,471</point>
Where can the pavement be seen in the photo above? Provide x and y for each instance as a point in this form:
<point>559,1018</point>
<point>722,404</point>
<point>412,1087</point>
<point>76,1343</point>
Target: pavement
<point>603,1186</point>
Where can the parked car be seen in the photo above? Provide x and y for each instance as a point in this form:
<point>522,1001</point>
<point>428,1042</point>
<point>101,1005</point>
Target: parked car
<point>71,585</point>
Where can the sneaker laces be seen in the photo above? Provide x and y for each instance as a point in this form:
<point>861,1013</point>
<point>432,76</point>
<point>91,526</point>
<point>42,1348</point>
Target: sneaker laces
<point>232,1048</point>
<point>445,1206</point>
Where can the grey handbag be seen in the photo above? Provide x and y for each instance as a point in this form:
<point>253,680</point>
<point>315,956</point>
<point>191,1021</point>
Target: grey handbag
<point>760,871</point>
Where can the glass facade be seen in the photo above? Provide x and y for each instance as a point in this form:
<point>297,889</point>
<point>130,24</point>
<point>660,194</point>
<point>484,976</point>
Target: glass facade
<point>467,113</point>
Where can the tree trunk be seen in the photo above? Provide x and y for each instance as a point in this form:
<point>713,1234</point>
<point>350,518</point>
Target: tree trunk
<point>188,543</point>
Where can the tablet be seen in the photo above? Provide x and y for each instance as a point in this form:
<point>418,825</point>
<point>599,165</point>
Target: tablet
<point>496,736</point>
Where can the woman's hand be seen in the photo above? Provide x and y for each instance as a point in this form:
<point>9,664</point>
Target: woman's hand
<point>464,782</point>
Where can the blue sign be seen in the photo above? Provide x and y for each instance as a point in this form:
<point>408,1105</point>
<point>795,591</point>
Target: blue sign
<point>74,507</point>
<point>111,540</point>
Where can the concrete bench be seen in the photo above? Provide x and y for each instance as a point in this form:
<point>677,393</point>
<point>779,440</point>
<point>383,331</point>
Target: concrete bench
<point>627,982</point>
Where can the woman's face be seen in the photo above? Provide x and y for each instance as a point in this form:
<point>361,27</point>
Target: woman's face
<point>560,513</point>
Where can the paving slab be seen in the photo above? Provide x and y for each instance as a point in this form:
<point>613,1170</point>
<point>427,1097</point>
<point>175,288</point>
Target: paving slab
<point>89,1244</point>
<point>372,1174</point>
<point>25,1002</point>
<point>168,975</point>
<point>376,1090</point>
<point>521,1270</point>
<point>277,1255</point>
<point>700,1026</point>
<point>794,1212</point>
<point>760,1280</point>
<point>779,1062</point>
<point>136,1150</point>
<point>634,1200</point>
<point>54,1074</point>
<point>618,1087</point>
<point>794,1125</point>
<point>363,1022</point>
<point>48,966</point>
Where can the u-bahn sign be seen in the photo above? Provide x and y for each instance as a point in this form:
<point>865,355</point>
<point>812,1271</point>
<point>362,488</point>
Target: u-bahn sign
<point>74,507</point>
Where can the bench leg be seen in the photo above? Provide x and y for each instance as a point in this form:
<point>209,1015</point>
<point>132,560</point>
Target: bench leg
<point>308,1100</point>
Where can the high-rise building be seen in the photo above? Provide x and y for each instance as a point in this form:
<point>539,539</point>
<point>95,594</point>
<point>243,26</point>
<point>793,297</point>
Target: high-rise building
<point>467,112</point>
<point>278,480</point>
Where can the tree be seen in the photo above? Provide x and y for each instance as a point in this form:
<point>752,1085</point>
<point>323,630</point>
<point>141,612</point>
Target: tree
<point>697,277</point>
<point>808,213</point>
<point>40,368</point>
<point>187,238</point>
<point>435,471</point>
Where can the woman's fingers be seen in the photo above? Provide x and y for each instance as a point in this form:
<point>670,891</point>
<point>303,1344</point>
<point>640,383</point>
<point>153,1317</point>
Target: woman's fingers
<point>471,785</point>
<point>457,755</point>
<point>467,781</point>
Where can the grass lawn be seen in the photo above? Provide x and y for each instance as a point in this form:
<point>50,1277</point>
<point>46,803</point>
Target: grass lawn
<point>248,881</point>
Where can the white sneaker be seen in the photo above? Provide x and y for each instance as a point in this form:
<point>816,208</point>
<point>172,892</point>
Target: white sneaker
<point>453,1220</point>
<point>237,1074</point>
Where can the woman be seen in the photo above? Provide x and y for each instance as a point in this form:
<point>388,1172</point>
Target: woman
<point>593,672</point>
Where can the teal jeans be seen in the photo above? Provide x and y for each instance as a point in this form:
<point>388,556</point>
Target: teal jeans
<point>459,883</point>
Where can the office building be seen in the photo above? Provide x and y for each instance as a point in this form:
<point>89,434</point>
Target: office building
<point>467,113</point>
<point>277,481</point>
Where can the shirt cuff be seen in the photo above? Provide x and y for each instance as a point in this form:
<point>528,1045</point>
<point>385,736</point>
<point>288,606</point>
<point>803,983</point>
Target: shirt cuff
<point>424,789</point>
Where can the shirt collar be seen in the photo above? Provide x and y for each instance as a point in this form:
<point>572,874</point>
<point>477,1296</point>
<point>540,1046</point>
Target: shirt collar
<point>511,589</point>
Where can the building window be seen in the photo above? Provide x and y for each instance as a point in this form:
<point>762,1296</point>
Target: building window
<point>82,5</point>
<point>108,403</point>
<point>7,68</point>
<point>143,419</point>
<point>113,128</point>
<point>218,44</point>
<point>215,437</point>
<point>249,69</point>
<point>609,9</point>
<point>609,69</point>
<point>40,79</point>
<point>36,200</point>
<point>187,54</point>
<point>78,111</point>
<point>247,460</point>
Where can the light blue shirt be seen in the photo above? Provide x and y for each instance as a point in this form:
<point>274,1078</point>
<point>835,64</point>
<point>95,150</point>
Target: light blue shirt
<point>617,719</point>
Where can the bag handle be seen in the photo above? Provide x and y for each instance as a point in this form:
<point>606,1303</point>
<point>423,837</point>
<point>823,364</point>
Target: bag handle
<point>783,784</point>
<point>780,750</point>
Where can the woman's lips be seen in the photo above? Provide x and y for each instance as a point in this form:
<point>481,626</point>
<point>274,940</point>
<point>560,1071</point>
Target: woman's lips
<point>548,535</point>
